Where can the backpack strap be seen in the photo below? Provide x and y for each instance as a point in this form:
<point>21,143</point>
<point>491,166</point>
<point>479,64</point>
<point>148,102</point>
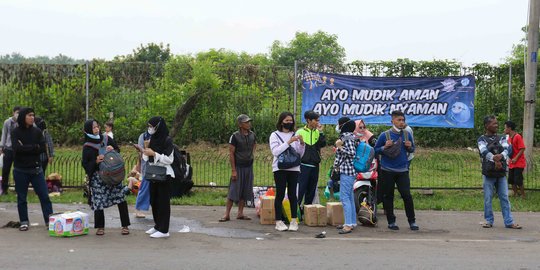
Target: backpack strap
<point>387,133</point>
<point>406,135</point>
<point>279,137</point>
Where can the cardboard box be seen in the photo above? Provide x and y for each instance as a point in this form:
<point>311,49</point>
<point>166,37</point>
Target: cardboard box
<point>334,213</point>
<point>267,210</point>
<point>315,215</point>
<point>68,224</point>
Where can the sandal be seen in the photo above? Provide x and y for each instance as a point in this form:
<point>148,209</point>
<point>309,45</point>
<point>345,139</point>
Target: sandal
<point>487,225</point>
<point>345,230</point>
<point>224,219</point>
<point>100,231</point>
<point>140,215</point>
<point>23,228</point>
<point>243,218</point>
<point>514,226</point>
<point>125,230</point>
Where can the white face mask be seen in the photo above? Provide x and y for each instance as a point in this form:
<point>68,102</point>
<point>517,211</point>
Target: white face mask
<point>338,130</point>
<point>396,128</point>
<point>151,130</point>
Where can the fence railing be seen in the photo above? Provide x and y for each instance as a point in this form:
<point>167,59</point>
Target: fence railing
<point>213,170</point>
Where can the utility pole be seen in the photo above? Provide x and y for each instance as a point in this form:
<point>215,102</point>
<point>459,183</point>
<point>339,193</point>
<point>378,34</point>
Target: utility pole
<point>530,80</point>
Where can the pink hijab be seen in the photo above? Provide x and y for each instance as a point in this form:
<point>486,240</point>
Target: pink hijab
<point>366,134</point>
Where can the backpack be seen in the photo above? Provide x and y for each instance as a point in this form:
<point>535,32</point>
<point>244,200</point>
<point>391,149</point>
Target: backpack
<point>179,164</point>
<point>494,147</point>
<point>112,169</point>
<point>363,157</point>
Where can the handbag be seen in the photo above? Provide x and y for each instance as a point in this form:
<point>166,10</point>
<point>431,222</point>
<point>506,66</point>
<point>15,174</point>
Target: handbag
<point>334,174</point>
<point>155,173</point>
<point>288,158</point>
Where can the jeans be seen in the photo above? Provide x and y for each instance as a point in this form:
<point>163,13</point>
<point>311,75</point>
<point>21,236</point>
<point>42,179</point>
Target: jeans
<point>143,196</point>
<point>501,185</point>
<point>307,184</point>
<point>346,193</point>
<point>22,181</point>
<point>8,161</point>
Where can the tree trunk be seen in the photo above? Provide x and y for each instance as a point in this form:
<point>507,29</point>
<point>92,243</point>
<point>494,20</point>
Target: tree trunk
<point>183,112</point>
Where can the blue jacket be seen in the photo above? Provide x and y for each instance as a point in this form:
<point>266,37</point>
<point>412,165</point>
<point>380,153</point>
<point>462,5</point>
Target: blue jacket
<point>400,163</point>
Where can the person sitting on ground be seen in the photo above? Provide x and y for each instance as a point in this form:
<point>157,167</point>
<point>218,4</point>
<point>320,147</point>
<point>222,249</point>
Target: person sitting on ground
<point>134,182</point>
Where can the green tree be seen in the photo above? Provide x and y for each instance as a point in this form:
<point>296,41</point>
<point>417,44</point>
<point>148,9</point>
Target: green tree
<point>316,51</point>
<point>151,52</point>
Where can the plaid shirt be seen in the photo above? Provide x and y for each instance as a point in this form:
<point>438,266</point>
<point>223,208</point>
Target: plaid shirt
<point>345,155</point>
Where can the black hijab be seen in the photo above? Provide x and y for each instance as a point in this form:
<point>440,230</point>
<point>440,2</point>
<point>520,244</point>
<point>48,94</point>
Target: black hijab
<point>349,126</point>
<point>89,130</point>
<point>40,123</point>
<point>159,141</point>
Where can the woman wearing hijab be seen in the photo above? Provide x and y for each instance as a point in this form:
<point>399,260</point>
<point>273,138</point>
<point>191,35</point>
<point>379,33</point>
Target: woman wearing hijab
<point>363,134</point>
<point>160,152</point>
<point>102,195</point>
<point>48,155</point>
<point>28,144</point>
<point>345,151</point>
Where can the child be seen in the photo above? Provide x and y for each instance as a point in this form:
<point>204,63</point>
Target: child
<point>134,182</point>
<point>109,129</point>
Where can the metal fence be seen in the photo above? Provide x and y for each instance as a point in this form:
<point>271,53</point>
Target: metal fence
<point>213,170</point>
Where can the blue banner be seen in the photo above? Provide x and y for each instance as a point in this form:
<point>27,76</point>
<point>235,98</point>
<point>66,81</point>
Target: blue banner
<point>426,102</point>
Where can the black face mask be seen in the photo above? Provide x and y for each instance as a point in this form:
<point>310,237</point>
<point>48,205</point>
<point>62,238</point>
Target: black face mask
<point>288,126</point>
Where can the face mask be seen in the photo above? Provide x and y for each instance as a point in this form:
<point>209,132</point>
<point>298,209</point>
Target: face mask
<point>92,136</point>
<point>338,130</point>
<point>16,116</point>
<point>396,128</point>
<point>151,130</point>
<point>288,126</point>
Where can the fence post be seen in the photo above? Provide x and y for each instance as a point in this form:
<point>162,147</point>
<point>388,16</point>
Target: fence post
<point>295,83</point>
<point>87,87</point>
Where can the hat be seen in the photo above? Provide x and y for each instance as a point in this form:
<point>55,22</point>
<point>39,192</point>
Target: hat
<point>243,118</point>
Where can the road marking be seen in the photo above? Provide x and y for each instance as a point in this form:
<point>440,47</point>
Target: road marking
<point>416,240</point>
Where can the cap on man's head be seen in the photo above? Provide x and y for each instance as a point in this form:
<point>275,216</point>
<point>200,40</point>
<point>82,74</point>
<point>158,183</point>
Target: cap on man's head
<point>243,118</point>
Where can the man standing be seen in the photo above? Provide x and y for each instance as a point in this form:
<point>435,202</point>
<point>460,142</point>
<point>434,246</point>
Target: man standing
<point>493,150</point>
<point>6,148</point>
<point>241,150</point>
<point>309,168</point>
<point>28,144</point>
<point>394,145</point>
<point>517,162</point>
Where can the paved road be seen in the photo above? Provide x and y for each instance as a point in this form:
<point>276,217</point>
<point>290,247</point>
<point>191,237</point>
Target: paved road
<point>446,240</point>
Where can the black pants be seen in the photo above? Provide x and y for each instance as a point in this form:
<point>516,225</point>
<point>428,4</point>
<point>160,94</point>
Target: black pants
<point>44,165</point>
<point>6,169</point>
<point>285,179</point>
<point>160,200</point>
<point>403,183</point>
<point>307,183</point>
<point>99,216</point>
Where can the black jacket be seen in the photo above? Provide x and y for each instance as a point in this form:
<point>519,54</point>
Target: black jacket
<point>28,143</point>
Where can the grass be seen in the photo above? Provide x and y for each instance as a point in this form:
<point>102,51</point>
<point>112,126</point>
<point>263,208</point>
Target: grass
<point>443,200</point>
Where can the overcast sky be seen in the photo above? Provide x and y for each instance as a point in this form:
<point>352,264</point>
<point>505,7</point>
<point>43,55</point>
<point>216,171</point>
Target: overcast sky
<point>468,31</point>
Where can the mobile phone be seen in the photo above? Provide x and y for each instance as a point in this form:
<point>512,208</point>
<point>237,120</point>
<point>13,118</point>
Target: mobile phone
<point>138,147</point>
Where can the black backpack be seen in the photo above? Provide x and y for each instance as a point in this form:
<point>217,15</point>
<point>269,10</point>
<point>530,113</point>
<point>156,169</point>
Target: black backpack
<point>493,146</point>
<point>179,164</point>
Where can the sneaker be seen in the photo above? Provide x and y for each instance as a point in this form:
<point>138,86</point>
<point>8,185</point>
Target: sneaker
<point>293,226</point>
<point>151,231</point>
<point>413,226</point>
<point>280,226</point>
<point>393,226</point>
<point>159,234</point>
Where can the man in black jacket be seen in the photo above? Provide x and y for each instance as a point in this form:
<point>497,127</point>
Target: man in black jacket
<point>28,143</point>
